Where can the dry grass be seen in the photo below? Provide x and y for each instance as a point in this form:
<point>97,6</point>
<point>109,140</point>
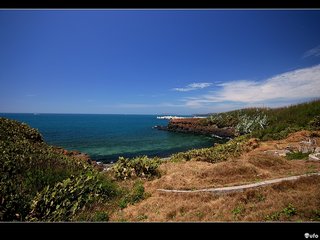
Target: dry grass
<point>250,168</point>
<point>288,201</point>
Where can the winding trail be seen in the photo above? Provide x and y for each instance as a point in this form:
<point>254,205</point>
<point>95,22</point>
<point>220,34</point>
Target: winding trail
<point>240,188</point>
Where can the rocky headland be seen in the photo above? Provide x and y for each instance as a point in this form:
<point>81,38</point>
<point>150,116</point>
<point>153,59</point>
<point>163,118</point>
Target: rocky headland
<point>197,126</point>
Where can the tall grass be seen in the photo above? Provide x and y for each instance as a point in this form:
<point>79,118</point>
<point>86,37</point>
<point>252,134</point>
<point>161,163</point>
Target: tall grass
<point>268,123</point>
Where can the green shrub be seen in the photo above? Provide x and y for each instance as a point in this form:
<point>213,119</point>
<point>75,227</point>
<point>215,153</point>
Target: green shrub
<point>238,211</point>
<point>12,130</point>
<point>248,124</point>
<point>267,123</point>
<point>62,201</point>
<point>221,152</point>
<point>27,165</point>
<point>273,217</point>
<point>315,122</point>
<point>315,215</point>
<point>30,169</point>
<point>136,194</point>
<point>297,155</point>
<point>289,211</point>
<point>95,212</point>
<point>143,167</point>
<point>100,217</point>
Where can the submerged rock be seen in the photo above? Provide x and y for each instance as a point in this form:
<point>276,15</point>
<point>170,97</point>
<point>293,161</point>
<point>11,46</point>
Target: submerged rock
<point>159,127</point>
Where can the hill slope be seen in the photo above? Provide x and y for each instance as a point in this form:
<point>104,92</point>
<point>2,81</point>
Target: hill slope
<point>264,123</point>
<point>287,201</point>
<point>39,183</point>
<point>273,143</point>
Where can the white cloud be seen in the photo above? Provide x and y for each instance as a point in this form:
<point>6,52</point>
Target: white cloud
<point>192,86</point>
<point>283,88</point>
<point>312,52</point>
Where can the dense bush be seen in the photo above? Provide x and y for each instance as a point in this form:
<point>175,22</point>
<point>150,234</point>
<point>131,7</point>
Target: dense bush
<point>29,167</point>
<point>297,155</point>
<point>241,119</point>
<point>248,124</point>
<point>11,130</point>
<point>142,166</point>
<point>315,122</point>
<point>218,153</point>
<point>136,194</point>
<point>25,169</point>
<point>62,201</point>
<point>273,134</point>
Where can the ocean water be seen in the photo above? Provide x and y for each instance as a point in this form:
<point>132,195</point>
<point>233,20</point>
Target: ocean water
<point>105,137</point>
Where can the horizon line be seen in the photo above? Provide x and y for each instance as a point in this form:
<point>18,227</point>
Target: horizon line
<point>36,113</point>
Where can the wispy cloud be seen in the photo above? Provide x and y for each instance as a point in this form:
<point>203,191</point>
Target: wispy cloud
<point>312,52</point>
<point>192,86</point>
<point>143,105</point>
<point>283,88</point>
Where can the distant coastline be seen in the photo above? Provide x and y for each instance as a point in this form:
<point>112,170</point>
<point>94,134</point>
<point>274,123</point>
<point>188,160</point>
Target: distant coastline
<point>176,117</point>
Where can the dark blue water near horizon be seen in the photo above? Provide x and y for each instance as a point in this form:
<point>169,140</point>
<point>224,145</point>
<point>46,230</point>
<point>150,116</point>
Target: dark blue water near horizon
<point>105,137</point>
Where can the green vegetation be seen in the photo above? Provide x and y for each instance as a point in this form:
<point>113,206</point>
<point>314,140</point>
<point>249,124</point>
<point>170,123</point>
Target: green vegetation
<point>143,167</point>
<point>244,120</point>
<point>62,201</point>
<point>282,121</point>
<point>316,215</point>
<point>270,124</point>
<point>135,195</point>
<point>37,183</point>
<point>286,213</point>
<point>297,155</point>
<point>315,122</point>
<point>237,211</point>
<point>40,183</point>
<point>289,211</point>
<point>273,216</point>
<point>261,123</point>
<point>218,153</point>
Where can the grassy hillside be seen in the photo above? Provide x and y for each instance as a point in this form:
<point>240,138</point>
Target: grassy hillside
<point>268,123</point>
<point>261,123</point>
<point>296,201</point>
<point>37,183</point>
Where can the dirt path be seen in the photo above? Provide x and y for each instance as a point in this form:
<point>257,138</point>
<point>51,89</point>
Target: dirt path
<point>241,187</point>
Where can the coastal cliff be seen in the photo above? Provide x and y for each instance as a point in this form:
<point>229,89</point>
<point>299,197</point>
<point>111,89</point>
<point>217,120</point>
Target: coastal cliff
<point>198,126</point>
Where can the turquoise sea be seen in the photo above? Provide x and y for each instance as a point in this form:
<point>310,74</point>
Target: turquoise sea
<point>105,137</point>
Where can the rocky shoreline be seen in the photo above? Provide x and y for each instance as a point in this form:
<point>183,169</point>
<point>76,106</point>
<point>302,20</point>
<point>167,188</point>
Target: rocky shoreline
<point>197,126</point>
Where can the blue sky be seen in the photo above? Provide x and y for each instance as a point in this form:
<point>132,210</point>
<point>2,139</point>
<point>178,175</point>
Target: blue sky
<point>157,61</point>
